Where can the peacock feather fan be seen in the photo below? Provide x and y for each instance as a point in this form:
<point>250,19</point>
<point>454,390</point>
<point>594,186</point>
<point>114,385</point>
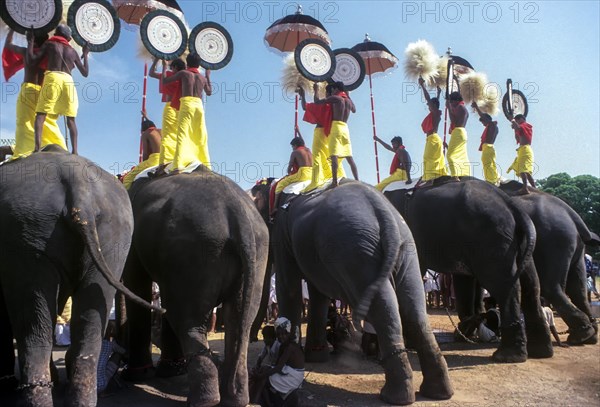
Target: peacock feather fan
<point>292,79</point>
<point>421,61</point>
<point>472,86</point>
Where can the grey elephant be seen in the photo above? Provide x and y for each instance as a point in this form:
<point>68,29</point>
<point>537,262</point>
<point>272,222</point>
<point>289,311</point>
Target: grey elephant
<point>201,239</point>
<point>472,230</point>
<point>66,230</point>
<point>559,259</point>
<point>350,243</point>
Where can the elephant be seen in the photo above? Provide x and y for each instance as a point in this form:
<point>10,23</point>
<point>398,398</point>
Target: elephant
<point>349,243</point>
<point>559,258</point>
<point>201,239</point>
<point>472,230</point>
<point>66,230</point>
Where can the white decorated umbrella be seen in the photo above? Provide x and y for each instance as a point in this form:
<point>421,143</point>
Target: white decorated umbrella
<point>285,34</point>
<point>378,59</point>
<point>21,16</point>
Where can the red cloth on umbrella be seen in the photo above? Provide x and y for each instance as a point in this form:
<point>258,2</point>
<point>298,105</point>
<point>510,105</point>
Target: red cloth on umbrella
<point>319,114</point>
<point>525,130</point>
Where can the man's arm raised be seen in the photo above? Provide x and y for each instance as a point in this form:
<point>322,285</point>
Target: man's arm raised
<point>83,68</point>
<point>8,44</point>
<point>207,85</point>
<point>153,73</point>
<point>34,58</point>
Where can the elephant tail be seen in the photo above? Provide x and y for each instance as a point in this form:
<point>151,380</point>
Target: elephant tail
<point>89,233</point>
<point>391,241</point>
<point>528,234</point>
<point>588,237</point>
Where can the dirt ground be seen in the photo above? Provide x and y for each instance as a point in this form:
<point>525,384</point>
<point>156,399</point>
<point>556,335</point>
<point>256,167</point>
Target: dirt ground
<point>570,378</point>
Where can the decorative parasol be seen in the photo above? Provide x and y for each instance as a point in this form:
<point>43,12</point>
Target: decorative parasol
<point>285,34</point>
<point>378,59</point>
<point>213,43</point>
<point>133,11</point>
<point>315,60</point>
<point>349,68</point>
<point>94,23</point>
<point>42,15</point>
<point>514,102</point>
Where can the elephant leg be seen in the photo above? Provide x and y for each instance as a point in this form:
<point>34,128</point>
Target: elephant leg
<point>139,321</point>
<point>512,347</point>
<point>415,323</point>
<point>539,343</point>
<point>582,320</point>
<point>385,318</point>
<point>31,305</point>
<point>264,304</point>
<point>316,348</point>
<point>289,288</point>
<point>8,381</point>
<point>172,359</point>
<point>465,289</point>
<point>91,304</point>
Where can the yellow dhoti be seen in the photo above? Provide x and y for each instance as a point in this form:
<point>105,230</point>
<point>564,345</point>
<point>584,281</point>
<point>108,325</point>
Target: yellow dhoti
<point>169,134</point>
<point>58,95</point>
<point>24,134</point>
<point>321,169</point>
<point>488,159</point>
<point>191,134</point>
<point>398,175</point>
<point>303,174</point>
<point>434,165</point>
<point>458,160</point>
<point>339,140</point>
<point>152,161</point>
<point>524,161</point>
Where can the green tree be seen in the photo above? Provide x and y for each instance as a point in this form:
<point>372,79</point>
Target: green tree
<point>582,193</point>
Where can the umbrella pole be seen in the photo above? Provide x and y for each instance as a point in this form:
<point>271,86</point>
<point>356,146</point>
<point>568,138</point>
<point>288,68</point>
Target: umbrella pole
<point>445,127</point>
<point>296,118</point>
<point>373,118</point>
<point>143,106</point>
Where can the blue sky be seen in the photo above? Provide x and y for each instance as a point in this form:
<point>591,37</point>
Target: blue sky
<point>550,49</point>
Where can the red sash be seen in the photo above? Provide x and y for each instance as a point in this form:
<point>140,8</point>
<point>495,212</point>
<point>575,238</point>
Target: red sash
<point>395,162</point>
<point>13,62</point>
<point>427,124</point>
<point>176,95</point>
<point>168,89</point>
<point>484,136</point>
<point>319,114</point>
<point>526,131</point>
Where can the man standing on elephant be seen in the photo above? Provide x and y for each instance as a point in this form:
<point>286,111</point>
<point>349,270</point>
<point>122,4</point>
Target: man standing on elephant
<point>58,95</point>
<point>191,127</point>
<point>457,157</point>
<point>401,164</point>
<point>13,60</point>
<point>488,153</point>
<point>321,116</point>
<point>151,143</point>
<point>299,170</point>
<point>434,164</point>
<point>523,164</point>
<point>339,138</point>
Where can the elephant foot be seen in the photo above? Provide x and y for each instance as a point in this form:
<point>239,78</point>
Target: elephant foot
<point>171,368</point>
<point>398,388</point>
<point>138,374</point>
<point>316,354</point>
<point>203,378</point>
<point>436,382</point>
<point>512,348</point>
<point>539,343</point>
<point>509,355</point>
<point>37,395</point>
<point>579,336</point>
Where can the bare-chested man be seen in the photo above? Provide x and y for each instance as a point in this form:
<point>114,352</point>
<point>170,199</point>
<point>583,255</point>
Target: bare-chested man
<point>191,127</point>
<point>13,61</point>
<point>434,163</point>
<point>488,152</point>
<point>299,169</point>
<point>523,164</point>
<point>58,95</point>
<point>171,98</point>
<point>339,138</point>
<point>151,140</point>
<point>457,157</point>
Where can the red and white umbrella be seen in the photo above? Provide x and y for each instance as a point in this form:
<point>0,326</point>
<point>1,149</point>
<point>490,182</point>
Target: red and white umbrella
<point>378,59</point>
<point>285,34</point>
